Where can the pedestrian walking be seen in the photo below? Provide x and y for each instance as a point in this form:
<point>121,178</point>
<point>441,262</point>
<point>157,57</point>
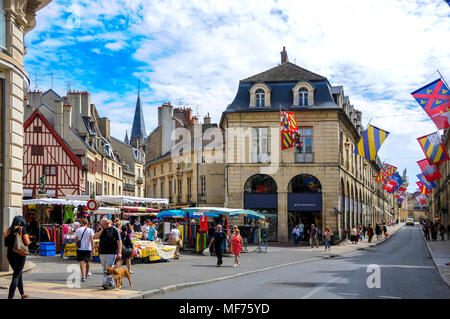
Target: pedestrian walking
<point>127,249</point>
<point>327,234</point>
<point>218,239</point>
<point>296,234</point>
<point>110,248</point>
<point>433,231</point>
<point>16,260</point>
<point>301,229</point>
<point>364,231</point>
<point>385,230</point>
<point>84,237</point>
<point>175,239</point>
<point>442,231</point>
<point>353,235</point>
<point>236,245</point>
<point>370,232</point>
<point>377,231</point>
<point>314,236</point>
<point>426,230</point>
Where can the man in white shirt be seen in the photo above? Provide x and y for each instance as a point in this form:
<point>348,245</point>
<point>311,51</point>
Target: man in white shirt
<point>84,239</point>
<point>301,230</point>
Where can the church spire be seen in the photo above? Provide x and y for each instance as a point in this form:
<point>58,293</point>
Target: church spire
<point>138,129</point>
<point>126,141</point>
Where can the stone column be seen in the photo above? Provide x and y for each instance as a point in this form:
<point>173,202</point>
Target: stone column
<point>283,217</point>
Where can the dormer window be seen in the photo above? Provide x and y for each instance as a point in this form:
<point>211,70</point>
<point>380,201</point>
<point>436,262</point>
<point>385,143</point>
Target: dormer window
<point>260,97</point>
<point>303,94</point>
<point>303,97</point>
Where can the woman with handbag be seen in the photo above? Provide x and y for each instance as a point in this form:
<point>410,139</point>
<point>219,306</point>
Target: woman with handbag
<point>17,241</point>
<point>127,249</point>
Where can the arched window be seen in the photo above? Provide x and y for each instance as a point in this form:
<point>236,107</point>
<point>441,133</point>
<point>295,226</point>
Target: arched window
<point>260,98</point>
<point>261,184</point>
<point>304,183</point>
<point>302,97</point>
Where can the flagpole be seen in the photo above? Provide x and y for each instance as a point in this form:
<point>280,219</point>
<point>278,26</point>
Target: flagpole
<point>442,78</point>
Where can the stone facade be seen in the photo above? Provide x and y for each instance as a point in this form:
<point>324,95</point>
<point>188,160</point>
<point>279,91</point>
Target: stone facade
<point>350,195</point>
<point>19,18</point>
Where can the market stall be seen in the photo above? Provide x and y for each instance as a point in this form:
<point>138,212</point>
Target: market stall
<point>50,221</point>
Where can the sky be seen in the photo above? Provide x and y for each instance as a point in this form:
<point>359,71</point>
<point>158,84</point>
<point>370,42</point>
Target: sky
<point>193,53</point>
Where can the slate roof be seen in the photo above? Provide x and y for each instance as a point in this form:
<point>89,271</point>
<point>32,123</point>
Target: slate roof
<point>285,72</point>
<point>337,89</point>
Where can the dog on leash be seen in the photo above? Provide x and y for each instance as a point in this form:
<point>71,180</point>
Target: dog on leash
<point>118,274</point>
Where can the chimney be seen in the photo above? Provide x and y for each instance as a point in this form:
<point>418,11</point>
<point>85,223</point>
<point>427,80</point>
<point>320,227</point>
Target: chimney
<point>284,56</point>
<point>74,100</point>
<point>207,120</point>
<point>67,117</point>
<point>59,127</point>
<point>85,103</point>
<point>104,126</point>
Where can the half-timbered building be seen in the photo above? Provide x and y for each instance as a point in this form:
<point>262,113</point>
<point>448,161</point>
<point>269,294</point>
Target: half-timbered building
<point>46,154</point>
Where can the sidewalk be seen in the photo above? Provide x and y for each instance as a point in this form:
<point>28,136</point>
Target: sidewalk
<point>440,252</point>
<point>48,278</point>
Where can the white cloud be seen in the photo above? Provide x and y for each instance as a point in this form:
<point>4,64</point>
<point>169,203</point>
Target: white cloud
<point>379,51</point>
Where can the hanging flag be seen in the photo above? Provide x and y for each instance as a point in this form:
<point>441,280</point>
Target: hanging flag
<point>434,98</point>
<point>422,199</point>
<point>430,171</point>
<point>423,189</point>
<point>400,191</point>
<point>287,141</point>
<point>370,142</point>
<point>433,148</point>
<point>297,138</point>
<point>401,198</point>
<point>288,122</point>
<point>394,183</point>
<point>385,173</point>
<point>427,184</point>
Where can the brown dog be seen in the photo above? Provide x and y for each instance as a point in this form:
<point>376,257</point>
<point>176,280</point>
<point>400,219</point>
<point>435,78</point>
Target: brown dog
<point>118,274</point>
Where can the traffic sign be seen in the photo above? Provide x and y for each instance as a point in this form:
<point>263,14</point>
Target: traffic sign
<point>92,205</point>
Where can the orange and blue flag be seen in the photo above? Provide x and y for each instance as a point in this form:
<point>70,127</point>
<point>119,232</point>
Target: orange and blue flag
<point>287,141</point>
<point>434,98</point>
<point>370,142</point>
<point>385,173</point>
<point>288,121</point>
<point>433,148</point>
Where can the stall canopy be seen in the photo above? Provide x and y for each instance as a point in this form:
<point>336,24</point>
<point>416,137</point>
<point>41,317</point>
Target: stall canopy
<point>120,199</point>
<point>224,211</point>
<point>171,214</point>
<point>141,209</point>
<point>53,201</point>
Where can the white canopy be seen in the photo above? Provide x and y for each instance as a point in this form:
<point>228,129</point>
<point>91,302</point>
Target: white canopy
<point>53,201</point>
<point>120,199</point>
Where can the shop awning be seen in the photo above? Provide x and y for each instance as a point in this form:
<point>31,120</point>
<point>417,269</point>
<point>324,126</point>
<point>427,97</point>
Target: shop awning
<point>53,201</point>
<point>106,211</point>
<point>171,214</point>
<point>225,211</point>
<point>389,214</point>
<point>120,199</point>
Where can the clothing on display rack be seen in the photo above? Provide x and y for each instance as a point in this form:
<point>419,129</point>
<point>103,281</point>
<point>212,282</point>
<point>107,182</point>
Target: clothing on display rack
<point>68,213</point>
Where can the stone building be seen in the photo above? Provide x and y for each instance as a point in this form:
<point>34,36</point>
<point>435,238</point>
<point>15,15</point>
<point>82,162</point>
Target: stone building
<point>17,18</point>
<point>438,201</point>
<point>321,182</point>
<point>190,177</point>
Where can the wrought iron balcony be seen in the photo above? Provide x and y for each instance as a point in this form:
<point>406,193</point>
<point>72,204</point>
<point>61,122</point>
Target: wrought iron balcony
<point>139,180</point>
<point>304,157</point>
<point>128,187</point>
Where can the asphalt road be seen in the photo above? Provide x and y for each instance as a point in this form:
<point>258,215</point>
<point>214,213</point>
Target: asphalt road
<point>406,270</point>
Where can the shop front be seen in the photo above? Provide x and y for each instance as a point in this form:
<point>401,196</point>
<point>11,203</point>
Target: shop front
<point>304,203</point>
<point>260,195</point>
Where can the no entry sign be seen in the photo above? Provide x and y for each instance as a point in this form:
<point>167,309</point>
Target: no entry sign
<point>92,205</point>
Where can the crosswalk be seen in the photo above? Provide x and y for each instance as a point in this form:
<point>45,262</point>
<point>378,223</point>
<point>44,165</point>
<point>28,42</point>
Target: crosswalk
<point>46,290</point>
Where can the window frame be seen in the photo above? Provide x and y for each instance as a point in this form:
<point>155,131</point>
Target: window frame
<point>302,149</point>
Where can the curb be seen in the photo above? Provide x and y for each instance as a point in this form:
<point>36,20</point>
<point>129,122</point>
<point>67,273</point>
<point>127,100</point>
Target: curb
<point>444,279</point>
<point>171,288</point>
<point>29,266</point>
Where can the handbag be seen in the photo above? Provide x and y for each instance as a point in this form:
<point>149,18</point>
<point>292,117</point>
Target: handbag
<point>79,241</point>
<point>19,247</point>
<point>180,243</point>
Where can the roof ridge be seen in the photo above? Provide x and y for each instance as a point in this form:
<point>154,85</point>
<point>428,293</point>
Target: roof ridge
<point>287,67</point>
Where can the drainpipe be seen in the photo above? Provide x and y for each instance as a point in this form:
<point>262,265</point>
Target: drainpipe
<point>2,167</point>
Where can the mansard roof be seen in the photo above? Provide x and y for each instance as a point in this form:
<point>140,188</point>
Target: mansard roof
<point>285,72</point>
